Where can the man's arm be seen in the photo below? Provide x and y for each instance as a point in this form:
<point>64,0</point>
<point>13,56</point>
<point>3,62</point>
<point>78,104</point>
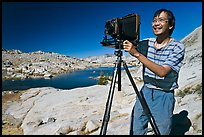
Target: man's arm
<point>157,69</point>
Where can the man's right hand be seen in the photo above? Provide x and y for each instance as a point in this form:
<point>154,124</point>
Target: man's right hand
<point>129,47</point>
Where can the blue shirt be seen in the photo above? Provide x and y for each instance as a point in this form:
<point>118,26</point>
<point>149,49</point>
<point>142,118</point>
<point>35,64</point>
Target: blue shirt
<point>172,55</point>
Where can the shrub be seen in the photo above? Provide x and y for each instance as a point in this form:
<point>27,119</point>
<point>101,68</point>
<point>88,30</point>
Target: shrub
<point>103,80</point>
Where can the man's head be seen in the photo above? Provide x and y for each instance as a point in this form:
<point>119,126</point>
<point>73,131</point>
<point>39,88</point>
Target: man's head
<point>163,22</point>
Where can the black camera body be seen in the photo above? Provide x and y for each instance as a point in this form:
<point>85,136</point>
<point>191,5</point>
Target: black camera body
<point>120,29</point>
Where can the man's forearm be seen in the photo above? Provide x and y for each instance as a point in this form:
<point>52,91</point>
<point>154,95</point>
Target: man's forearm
<point>157,69</point>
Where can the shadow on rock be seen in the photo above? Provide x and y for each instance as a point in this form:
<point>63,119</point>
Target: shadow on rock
<point>180,123</point>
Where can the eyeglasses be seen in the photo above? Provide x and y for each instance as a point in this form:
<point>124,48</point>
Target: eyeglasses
<point>160,20</point>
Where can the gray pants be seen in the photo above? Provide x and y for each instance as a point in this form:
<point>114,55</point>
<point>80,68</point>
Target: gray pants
<point>161,105</point>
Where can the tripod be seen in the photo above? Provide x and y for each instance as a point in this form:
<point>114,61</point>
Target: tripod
<point>117,71</point>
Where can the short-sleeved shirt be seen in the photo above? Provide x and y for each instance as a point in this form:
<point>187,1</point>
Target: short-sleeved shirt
<point>172,55</point>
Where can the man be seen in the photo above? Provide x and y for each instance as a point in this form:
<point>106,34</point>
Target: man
<point>161,66</point>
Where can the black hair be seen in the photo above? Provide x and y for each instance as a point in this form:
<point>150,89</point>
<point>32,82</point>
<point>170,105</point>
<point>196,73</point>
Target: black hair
<point>171,18</point>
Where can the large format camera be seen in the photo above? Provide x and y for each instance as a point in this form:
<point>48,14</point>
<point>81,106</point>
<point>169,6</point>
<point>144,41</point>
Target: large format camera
<point>120,29</point>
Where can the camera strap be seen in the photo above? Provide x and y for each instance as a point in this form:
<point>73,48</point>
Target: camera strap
<point>143,49</point>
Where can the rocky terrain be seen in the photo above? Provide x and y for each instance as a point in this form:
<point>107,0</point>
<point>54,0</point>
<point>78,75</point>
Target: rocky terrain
<point>51,111</point>
<point>19,65</point>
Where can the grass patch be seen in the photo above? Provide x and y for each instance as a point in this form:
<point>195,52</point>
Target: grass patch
<point>8,128</point>
<point>119,116</point>
<point>11,97</point>
<point>190,90</point>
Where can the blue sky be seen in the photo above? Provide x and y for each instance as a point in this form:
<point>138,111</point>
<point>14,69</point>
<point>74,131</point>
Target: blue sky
<point>77,28</point>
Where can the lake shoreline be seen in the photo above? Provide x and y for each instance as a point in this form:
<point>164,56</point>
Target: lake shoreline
<point>88,77</point>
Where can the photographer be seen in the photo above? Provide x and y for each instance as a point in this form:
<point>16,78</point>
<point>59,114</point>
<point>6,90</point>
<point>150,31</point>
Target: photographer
<point>161,67</point>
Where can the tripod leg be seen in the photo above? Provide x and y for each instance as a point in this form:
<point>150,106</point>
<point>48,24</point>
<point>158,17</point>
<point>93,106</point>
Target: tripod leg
<point>109,101</point>
<point>119,74</point>
<point>143,102</point>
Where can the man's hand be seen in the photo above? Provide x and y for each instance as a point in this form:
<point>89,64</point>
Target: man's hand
<point>129,47</point>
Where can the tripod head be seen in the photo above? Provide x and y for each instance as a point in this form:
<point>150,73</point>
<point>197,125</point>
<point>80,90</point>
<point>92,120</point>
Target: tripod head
<point>118,53</point>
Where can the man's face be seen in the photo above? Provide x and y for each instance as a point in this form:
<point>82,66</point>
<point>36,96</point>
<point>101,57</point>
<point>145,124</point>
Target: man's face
<point>160,25</point>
